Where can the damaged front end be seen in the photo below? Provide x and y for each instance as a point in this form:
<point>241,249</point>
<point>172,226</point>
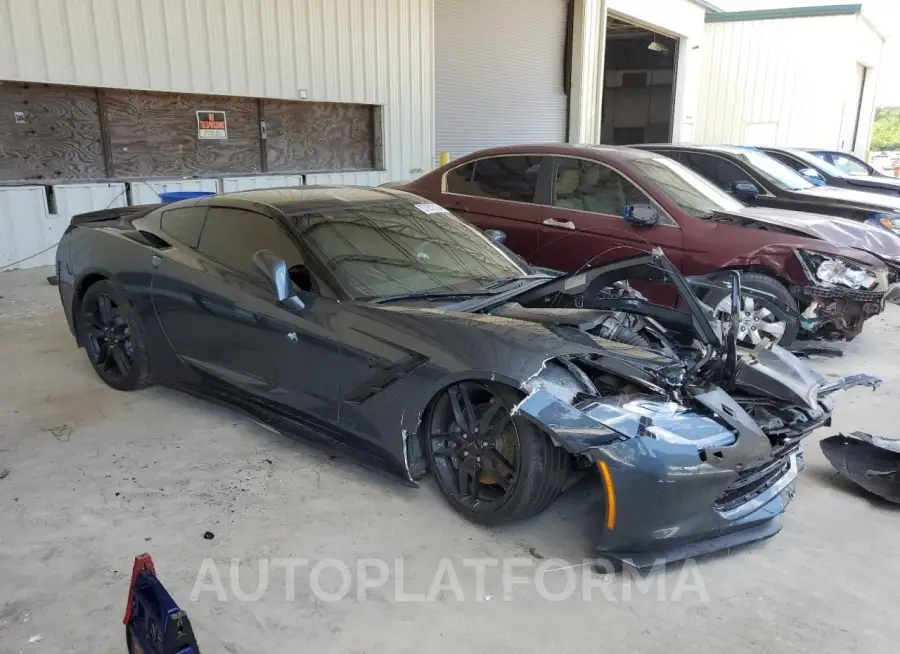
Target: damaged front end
<point>698,442</point>
<point>841,295</point>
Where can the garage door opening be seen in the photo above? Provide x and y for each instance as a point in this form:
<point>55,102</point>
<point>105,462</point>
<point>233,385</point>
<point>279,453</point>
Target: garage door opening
<point>639,83</point>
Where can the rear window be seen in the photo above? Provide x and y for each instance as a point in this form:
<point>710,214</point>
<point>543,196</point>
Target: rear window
<point>512,177</point>
<point>184,225</point>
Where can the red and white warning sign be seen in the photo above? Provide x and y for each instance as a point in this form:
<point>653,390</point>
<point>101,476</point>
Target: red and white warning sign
<point>211,125</point>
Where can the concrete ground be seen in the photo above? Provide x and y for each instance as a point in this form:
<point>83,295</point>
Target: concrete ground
<point>97,477</point>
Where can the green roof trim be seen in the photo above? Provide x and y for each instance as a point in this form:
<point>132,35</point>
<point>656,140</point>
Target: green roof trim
<point>786,12</point>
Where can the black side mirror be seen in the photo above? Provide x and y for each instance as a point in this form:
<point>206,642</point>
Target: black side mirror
<point>275,269</point>
<point>745,190</point>
<point>496,235</point>
<point>644,215</point>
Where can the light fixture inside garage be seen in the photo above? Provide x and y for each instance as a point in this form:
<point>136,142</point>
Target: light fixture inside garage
<point>656,46</point>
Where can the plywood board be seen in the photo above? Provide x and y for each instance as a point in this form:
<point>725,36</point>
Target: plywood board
<point>49,132</point>
<point>319,136</point>
<point>156,134</point>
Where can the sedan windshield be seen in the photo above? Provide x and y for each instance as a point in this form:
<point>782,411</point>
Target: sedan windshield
<point>401,247</point>
<point>695,195</point>
<point>772,170</point>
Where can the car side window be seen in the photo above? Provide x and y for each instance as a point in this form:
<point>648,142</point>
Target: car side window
<point>719,171</point>
<point>184,225</point>
<point>848,165</point>
<point>790,162</point>
<point>590,186</point>
<point>512,178</point>
<point>232,236</point>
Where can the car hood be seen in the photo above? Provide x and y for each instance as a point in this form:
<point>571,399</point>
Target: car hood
<point>838,231</point>
<point>863,181</point>
<point>852,197</point>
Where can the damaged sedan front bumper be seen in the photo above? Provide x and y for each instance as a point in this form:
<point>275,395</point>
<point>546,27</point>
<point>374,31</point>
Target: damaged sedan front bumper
<point>840,312</point>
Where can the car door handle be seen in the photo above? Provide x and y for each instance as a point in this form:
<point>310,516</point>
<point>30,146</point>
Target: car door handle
<point>565,224</point>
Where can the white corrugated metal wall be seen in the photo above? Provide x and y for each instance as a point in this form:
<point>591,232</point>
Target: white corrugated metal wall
<point>361,51</point>
<point>499,72</point>
<point>789,80</point>
<point>366,51</point>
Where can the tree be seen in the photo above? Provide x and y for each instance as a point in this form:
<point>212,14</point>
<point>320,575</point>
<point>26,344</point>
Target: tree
<point>886,129</point>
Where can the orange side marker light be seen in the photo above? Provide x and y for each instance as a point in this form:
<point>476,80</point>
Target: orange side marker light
<point>610,495</point>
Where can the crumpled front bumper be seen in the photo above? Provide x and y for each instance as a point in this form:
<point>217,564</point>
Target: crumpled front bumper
<point>841,311</point>
<point>663,502</point>
<point>670,506</point>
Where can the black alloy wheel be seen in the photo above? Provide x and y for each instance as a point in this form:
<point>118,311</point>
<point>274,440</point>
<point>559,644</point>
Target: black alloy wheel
<point>491,465</point>
<point>109,337</point>
<point>110,333</point>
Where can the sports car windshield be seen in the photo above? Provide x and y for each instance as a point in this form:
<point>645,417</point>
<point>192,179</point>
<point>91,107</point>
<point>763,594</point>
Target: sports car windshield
<point>695,195</point>
<point>400,247</point>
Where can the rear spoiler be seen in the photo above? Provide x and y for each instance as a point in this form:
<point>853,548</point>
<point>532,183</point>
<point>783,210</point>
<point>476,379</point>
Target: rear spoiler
<point>112,214</point>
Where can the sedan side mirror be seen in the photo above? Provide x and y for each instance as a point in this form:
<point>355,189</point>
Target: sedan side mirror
<point>644,215</point>
<point>496,235</point>
<point>275,270</point>
<point>812,175</point>
<point>745,190</point>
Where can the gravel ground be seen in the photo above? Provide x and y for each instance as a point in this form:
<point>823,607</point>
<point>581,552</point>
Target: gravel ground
<point>97,477</point>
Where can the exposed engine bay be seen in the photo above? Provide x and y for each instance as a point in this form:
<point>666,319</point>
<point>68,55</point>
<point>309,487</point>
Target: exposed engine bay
<point>658,355</point>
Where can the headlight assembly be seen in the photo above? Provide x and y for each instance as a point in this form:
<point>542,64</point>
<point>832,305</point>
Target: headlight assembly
<point>829,271</point>
<point>639,415</point>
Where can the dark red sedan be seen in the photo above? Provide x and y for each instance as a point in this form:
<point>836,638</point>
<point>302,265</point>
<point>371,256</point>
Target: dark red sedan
<point>564,206</point>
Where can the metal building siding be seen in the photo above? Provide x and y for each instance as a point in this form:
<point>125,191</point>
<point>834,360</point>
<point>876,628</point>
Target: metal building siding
<point>232,184</point>
<point>499,73</point>
<point>363,178</point>
<point>148,192</point>
<point>362,51</point>
<point>23,211</point>
<point>783,77</point>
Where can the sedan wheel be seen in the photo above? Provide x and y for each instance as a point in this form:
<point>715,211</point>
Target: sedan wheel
<point>757,323</point>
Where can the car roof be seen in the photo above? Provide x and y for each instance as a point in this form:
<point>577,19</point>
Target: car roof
<point>300,199</point>
<point>550,149</point>
<point>727,149</point>
<point>829,151</point>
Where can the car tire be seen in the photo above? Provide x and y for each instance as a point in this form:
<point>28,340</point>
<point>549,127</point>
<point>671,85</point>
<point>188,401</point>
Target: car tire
<point>112,335</point>
<point>534,471</point>
<point>765,284</point>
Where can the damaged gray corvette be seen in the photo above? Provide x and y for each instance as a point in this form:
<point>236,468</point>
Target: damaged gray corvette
<point>379,324</point>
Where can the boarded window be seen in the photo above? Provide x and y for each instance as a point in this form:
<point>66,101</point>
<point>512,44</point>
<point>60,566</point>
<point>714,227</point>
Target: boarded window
<point>318,136</point>
<point>49,132</point>
<point>156,134</point>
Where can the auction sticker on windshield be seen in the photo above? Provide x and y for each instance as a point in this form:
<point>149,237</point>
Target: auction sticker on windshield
<point>430,208</point>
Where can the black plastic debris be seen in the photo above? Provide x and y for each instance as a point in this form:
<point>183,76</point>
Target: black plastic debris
<point>208,535</point>
<point>868,461</point>
<point>807,350</point>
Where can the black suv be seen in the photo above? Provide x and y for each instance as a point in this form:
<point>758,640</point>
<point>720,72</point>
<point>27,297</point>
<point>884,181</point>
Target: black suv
<point>756,178</point>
